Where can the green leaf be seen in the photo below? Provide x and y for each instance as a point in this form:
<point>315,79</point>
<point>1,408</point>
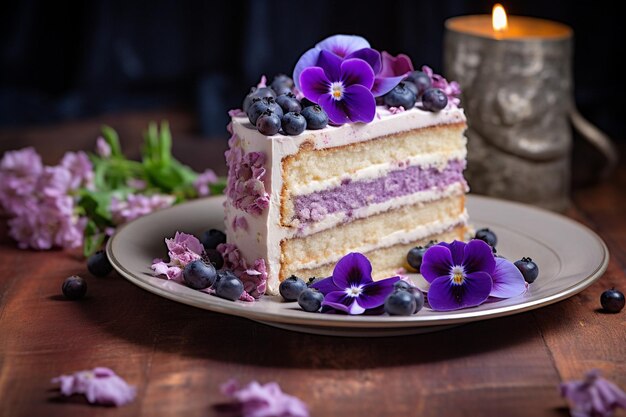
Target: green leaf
<point>111,137</point>
<point>93,239</point>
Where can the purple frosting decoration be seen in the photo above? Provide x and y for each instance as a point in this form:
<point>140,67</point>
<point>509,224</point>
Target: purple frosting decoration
<point>246,176</point>
<point>356,194</point>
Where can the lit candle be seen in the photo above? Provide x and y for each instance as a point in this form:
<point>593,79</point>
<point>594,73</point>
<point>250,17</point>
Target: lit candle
<point>515,73</point>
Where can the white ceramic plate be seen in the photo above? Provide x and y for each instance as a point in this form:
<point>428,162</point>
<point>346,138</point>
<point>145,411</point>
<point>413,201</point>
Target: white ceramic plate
<point>570,258</point>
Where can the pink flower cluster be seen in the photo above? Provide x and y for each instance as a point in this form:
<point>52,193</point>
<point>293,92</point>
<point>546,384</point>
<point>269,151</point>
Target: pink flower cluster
<point>256,400</point>
<point>100,386</point>
<point>39,198</point>
<point>254,277</point>
<point>182,249</point>
<point>450,89</point>
<point>246,173</point>
<point>137,205</point>
<point>201,184</point>
<point>594,396</point>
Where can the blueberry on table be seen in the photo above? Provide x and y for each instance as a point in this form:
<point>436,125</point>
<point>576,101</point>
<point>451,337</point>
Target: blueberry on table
<point>199,274</point>
<point>612,301</point>
<point>211,238</point>
<point>528,268</point>
<point>268,123</point>
<point>291,288</point>
<point>400,95</point>
<point>289,103</point>
<point>310,300</point>
<point>400,303</point>
<point>487,236</point>
<point>74,287</point>
<point>421,80</point>
<point>316,118</point>
<point>98,264</point>
<point>293,123</point>
<point>229,287</point>
<point>434,99</point>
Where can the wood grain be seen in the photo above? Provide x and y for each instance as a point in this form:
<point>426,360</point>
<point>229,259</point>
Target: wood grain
<point>177,356</point>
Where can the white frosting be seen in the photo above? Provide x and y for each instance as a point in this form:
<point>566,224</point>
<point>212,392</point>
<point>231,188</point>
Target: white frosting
<point>264,234</point>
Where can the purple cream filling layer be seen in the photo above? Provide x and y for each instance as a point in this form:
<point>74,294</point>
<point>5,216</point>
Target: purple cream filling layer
<point>352,195</point>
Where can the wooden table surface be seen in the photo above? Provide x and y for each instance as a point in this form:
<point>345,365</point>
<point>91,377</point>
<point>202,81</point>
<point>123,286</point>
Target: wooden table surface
<point>177,356</point>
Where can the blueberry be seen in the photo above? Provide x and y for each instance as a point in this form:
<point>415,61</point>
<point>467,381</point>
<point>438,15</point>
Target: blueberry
<point>289,103</point>
<point>224,274</point>
<point>419,299</point>
<point>305,102</point>
<point>256,93</point>
<point>291,288</point>
<point>199,274</point>
<point>528,268</point>
<point>74,287</point>
<point>281,80</point>
<point>211,238</point>
<point>434,100</point>
<point>281,90</point>
<point>415,256</point>
<point>487,236</point>
<point>268,123</point>
<point>420,80</point>
<point>400,95</point>
<point>315,116</point>
<point>98,264</point>
<point>293,123</point>
<point>612,301</point>
<point>229,287</point>
<point>411,86</point>
<point>402,286</point>
<point>260,106</point>
<point>310,300</point>
<point>214,257</point>
<point>400,303</point>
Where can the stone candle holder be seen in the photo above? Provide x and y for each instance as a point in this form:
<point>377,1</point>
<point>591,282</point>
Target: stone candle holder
<point>517,94</point>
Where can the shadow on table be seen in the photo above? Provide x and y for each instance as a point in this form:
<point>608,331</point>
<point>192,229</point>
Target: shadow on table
<point>139,317</point>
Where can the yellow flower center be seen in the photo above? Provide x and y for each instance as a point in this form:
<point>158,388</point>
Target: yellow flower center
<point>336,90</point>
<point>457,275</point>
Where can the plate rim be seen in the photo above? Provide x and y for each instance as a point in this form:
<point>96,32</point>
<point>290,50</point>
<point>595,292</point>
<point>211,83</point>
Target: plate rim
<point>241,309</point>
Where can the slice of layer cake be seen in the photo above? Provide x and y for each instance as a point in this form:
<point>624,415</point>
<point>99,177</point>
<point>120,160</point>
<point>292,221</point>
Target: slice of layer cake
<point>302,202</point>
<point>378,180</point>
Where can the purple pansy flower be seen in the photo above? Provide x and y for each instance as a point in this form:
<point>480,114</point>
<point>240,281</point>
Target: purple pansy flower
<point>100,386</point>
<point>256,400</point>
<point>341,88</point>
<point>351,288</point>
<point>347,47</point>
<point>594,396</point>
<point>466,274</point>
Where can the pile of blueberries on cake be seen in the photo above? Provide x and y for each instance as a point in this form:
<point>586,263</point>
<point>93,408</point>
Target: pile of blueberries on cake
<point>275,108</point>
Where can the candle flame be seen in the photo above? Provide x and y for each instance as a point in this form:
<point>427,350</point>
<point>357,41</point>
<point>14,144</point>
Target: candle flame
<point>498,18</point>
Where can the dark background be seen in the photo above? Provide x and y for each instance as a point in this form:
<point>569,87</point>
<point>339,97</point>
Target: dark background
<point>68,60</point>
